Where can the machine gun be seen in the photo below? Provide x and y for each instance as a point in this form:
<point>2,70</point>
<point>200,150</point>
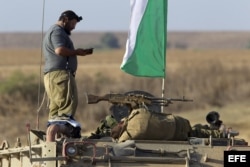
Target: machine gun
<point>133,100</point>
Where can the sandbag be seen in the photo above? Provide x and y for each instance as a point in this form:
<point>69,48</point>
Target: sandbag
<point>144,125</point>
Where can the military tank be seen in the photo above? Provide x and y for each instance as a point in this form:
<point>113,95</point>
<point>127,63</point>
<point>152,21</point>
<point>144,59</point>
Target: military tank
<point>83,151</point>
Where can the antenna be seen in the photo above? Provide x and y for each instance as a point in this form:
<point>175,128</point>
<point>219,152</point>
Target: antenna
<point>40,71</point>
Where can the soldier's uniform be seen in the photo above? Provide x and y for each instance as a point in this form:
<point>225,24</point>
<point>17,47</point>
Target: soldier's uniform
<point>110,125</point>
<point>204,131</point>
<point>104,129</point>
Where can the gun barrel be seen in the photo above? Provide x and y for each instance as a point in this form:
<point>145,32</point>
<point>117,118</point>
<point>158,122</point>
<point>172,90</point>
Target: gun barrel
<point>166,99</point>
<point>183,99</point>
<point>162,100</point>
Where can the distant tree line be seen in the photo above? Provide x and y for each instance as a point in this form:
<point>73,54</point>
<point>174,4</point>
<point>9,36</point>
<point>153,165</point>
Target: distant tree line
<point>248,45</point>
<point>110,41</point>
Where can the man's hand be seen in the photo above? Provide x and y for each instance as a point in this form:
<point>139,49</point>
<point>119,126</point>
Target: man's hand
<point>84,52</point>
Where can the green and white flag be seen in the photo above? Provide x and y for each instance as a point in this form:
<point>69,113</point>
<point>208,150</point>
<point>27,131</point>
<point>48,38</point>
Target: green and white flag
<point>145,54</point>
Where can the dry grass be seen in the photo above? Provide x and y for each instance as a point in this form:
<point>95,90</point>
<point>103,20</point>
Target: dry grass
<point>215,79</point>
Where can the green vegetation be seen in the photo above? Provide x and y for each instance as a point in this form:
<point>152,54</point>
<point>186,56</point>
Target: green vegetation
<point>248,45</point>
<point>18,84</point>
<point>109,40</point>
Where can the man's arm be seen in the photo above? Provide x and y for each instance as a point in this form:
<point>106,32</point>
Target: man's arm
<point>63,51</point>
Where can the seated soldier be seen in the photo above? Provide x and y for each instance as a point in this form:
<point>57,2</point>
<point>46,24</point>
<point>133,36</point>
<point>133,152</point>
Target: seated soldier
<point>216,128</point>
<point>104,129</point>
<point>138,126</point>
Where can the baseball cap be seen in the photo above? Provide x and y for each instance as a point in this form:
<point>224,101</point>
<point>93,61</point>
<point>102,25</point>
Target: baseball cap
<point>71,15</point>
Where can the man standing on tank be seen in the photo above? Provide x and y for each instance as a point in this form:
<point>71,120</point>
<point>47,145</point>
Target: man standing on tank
<point>60,67</point>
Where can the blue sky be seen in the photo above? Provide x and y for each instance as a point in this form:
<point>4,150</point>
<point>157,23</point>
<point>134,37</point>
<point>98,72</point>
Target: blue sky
<point>113,15</point>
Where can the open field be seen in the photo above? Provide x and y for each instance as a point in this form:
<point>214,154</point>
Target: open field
<point>216,80</point>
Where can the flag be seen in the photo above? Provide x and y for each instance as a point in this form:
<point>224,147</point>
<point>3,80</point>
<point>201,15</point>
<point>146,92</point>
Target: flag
<point>145,54</point>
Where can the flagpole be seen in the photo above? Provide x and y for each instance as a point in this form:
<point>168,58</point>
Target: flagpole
<point>163,93</point>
